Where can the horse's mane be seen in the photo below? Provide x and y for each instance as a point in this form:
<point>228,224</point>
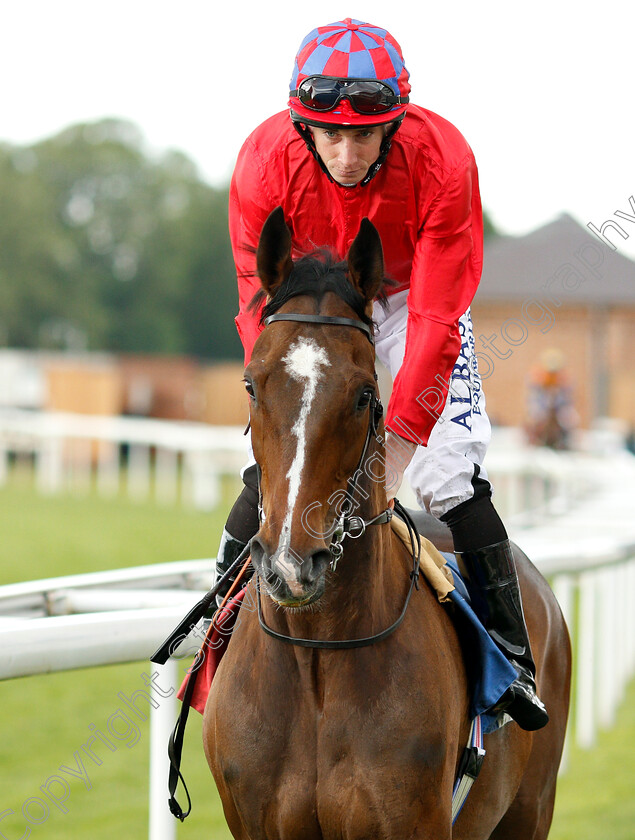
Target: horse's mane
<point>316,274</point>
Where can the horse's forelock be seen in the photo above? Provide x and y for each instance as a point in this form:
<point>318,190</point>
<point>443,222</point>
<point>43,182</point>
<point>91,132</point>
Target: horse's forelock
<point>315,275</point>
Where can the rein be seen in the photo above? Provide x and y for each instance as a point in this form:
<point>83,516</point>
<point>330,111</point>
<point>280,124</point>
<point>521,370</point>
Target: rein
<point>344,644</point>
<point>347,524</point>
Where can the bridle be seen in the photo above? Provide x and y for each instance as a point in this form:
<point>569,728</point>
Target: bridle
<point>347,524</point>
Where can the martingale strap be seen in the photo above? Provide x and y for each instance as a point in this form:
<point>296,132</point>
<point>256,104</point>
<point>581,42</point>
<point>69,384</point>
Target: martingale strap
<point>187,624</point>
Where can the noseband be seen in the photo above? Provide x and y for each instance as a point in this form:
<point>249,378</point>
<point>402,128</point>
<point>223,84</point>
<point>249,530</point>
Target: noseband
<point>348,525</point>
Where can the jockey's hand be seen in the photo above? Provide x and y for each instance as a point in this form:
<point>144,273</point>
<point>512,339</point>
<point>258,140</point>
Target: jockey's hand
<point>399,452</point>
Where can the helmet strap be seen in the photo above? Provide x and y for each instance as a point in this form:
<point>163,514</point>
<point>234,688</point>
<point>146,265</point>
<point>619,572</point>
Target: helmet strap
<point>305,133</point>
<point>383,152</point>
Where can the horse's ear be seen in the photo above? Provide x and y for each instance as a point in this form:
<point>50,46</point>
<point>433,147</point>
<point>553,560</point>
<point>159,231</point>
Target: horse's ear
<point>366,261</point>
<point>273,255</point>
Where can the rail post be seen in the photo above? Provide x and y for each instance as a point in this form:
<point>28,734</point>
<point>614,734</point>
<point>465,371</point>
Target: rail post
<point>162,825</point>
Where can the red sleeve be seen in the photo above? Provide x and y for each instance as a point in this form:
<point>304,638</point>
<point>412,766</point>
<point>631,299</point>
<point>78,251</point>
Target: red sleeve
<point>446,271</point>
<point>249,206</point>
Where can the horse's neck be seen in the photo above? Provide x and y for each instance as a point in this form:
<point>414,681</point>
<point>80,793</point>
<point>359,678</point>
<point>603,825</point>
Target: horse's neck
<point>366,581</point>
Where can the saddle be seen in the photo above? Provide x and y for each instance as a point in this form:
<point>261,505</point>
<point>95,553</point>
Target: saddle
<point>489,672</point>
<point>432,529</point>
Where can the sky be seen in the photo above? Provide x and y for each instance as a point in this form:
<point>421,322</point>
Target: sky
<point>542,91</point>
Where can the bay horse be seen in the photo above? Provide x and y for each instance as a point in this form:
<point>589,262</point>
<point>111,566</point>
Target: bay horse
<point>358,743</point>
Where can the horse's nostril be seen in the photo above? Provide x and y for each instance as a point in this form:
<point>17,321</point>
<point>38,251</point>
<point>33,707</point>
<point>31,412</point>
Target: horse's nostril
<point>314,566</point>
<point>288,575</point>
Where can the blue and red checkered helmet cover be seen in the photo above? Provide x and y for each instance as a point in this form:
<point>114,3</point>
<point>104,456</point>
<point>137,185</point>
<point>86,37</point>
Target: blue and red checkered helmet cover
<point>351,49</point>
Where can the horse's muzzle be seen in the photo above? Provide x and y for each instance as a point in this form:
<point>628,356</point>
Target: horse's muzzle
<point>291,581</point>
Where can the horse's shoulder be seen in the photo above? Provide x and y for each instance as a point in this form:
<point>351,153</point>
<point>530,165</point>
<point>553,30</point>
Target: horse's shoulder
<point>533,583</point>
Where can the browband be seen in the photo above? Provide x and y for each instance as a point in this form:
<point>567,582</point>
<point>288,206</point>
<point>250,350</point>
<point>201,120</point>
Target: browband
<point>324,319</point>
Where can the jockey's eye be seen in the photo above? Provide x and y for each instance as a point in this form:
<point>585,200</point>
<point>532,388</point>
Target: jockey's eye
<point>364,398</point>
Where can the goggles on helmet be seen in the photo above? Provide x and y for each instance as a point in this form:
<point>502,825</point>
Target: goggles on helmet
<point>367,96</point>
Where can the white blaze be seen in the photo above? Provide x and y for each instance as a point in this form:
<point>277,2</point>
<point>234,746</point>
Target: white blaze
<point>303,363</point>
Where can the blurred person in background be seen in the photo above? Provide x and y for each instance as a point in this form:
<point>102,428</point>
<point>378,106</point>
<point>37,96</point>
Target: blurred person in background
<point>551,417</point>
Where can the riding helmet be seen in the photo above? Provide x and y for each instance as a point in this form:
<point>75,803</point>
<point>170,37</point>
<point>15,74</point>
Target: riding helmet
<point>345,50</point>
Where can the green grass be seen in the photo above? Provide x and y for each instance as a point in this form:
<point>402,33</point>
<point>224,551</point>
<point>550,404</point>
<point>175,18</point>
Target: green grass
<point>47,719</point>
<point>595,798</point>
<point>46,536</point>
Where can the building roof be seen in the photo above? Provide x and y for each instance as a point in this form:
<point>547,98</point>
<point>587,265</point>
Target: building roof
<point>563,260</point>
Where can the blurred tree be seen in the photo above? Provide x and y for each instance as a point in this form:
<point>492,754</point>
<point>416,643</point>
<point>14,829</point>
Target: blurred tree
<point>488,226</point>
<point>103,247</point>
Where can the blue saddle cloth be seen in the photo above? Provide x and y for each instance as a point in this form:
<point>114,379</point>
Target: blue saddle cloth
<point>489,672</point>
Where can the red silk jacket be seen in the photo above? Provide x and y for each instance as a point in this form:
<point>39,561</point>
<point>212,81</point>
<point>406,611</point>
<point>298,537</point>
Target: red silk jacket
<point>426,206</point>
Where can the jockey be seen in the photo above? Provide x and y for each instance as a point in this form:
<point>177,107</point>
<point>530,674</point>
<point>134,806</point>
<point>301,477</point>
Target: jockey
<point>551,416</point>
<point>353,146</point>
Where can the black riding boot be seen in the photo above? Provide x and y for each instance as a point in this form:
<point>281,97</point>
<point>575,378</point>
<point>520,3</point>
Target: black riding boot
<point>242,524</point>
<point>493,585</point>
<point>228,551</point>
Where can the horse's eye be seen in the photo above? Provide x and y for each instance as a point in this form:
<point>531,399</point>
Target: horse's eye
<point>364,398</point>
<point>249,388</point>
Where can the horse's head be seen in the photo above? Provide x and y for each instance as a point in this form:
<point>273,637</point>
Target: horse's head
<point>313,405</point>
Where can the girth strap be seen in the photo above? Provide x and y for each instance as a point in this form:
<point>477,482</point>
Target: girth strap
<point>469,768</point>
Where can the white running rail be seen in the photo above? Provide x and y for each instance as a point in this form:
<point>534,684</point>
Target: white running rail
<point>165,460</point>
<point>576,522</point>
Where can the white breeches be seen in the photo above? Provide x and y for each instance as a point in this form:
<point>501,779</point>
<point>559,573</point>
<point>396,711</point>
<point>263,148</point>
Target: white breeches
<point>441,473</point>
